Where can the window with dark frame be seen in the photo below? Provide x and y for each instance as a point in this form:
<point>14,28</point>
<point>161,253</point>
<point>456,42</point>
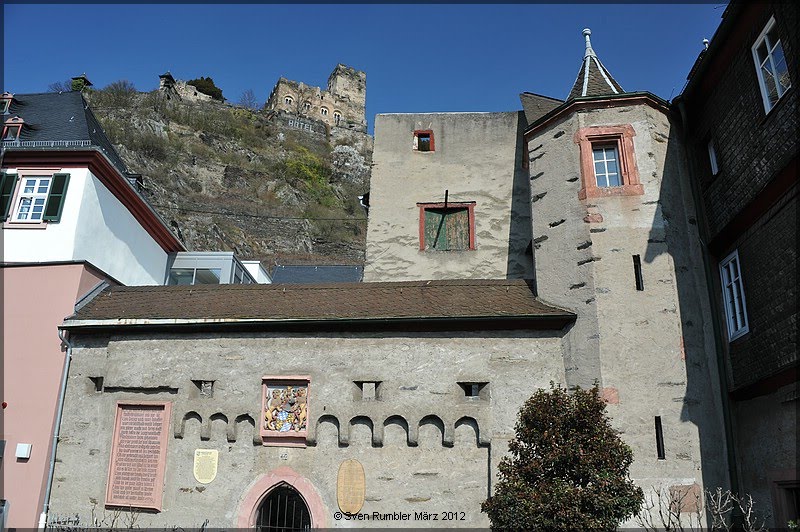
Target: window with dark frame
<point>32,198</point>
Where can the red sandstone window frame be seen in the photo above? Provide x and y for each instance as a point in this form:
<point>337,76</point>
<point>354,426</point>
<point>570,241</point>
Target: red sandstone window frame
<point>469,205</point>
<point>620,137</point>
<point>274,438</point>
<point>429,133</point>
<point>158,489</point>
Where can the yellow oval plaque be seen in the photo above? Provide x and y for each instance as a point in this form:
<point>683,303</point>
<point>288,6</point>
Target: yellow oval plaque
<point>351,487</point>
<point>205,465</point>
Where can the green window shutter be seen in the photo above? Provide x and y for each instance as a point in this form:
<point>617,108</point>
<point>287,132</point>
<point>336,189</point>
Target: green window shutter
<point>457,229</point>
<point>7,184</point>
<point>435,233</point>
<point>55,200</point>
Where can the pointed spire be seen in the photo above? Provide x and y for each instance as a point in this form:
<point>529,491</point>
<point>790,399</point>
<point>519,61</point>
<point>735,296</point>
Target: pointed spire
<point>593,78</point>
<point>589,52</point>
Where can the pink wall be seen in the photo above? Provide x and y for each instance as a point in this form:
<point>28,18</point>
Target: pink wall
<point>36,299</point>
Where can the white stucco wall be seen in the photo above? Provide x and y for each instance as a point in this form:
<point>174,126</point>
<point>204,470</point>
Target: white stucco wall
<point>108,236</point>
<point>95,227</point>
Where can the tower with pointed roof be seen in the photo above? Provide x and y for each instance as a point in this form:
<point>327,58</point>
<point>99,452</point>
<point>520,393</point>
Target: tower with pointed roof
<point>614,240</point>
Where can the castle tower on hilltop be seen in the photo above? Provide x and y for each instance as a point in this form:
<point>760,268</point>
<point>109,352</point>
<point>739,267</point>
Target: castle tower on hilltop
<point>342,105</point>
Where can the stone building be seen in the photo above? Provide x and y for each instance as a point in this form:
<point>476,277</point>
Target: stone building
<point>740,122</point>
<point>342,105</point>
<point>504,251</point>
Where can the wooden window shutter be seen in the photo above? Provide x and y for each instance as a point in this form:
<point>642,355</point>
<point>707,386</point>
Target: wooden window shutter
<point>7,184</point>
<point>55,200</point>
<point>435,231</point>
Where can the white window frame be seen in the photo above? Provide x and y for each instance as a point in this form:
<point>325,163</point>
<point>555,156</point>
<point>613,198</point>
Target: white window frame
<point>288,100</point>
<point>712,157</point>
<point>32,196</point>
<point>770,62</point>
<point>605,160</point>
<point>730,270</point>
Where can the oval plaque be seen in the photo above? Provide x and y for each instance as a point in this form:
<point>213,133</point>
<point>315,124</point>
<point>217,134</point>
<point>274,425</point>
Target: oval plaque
<point>205,465</point>
<point>350,487</point>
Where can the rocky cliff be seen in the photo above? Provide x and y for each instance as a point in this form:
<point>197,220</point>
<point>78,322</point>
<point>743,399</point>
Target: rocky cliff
<point>233,179</point>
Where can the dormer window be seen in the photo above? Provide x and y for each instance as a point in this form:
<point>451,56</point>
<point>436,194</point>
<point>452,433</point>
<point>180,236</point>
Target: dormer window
<point>12,128</point>
<point>5,102</point>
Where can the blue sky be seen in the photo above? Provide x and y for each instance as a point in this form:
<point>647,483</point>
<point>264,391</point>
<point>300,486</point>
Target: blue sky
<point>418,58</point>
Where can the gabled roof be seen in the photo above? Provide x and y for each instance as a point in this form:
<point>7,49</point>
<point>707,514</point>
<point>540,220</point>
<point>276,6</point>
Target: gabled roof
<point>308,274</point>
<point>60,120</point>
<point>593,78</point>
<point>509,304</point>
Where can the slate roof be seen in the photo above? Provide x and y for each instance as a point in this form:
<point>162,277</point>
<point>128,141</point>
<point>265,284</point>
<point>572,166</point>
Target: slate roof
<point>486,300</point>
<point>593,78</point>
<point>536,105</point>
<point>305,274</point>
<point>56,121</point>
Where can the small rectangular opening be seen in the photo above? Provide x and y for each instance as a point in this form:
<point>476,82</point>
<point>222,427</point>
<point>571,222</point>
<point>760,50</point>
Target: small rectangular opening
<point>637,272</point>
<point>472,389</point>
<point>660,439</point>
<point>424,142</point>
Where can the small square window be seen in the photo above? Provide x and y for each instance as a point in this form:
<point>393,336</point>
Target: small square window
<point>423,140</point>
<point>447,227</point>
<point>770,62</point>
<point>733,294</point>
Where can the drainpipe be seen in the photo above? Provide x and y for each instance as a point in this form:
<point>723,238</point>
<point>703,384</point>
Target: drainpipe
<point>57,429</point>
<point>733,474</point>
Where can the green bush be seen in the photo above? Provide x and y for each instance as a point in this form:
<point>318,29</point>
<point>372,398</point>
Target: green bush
<point>207,86</point>
<point>568,468</point>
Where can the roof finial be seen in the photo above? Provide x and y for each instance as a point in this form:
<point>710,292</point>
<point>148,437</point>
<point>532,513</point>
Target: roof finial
<point>705,44</point>
<point>589,52</point>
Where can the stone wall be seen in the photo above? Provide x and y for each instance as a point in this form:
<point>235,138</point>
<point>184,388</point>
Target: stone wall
<point>476,157</point>
<point>190,93</point>
<point>650,350</point>
<point>342,105</point>
<point>423,444</point>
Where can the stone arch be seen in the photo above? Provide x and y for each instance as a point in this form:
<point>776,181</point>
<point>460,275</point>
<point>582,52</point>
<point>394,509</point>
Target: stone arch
<point>284,475</point>
<point>246,419</point>
<point>191,415</point>
<point>207,427</point>
<point>361,421</point>
<point>470,423</point>
<point>401,422</point>
<point>431,421</point>
<point>312,437</point>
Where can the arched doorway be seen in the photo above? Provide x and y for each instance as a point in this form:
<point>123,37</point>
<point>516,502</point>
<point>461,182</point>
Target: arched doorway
<point>283,510</point>
<point>263,487</point>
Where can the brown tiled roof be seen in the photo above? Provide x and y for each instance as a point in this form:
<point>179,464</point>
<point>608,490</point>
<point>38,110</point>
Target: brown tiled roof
<point>484,300</point>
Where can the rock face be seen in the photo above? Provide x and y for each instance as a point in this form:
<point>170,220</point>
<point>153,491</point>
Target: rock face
<point>232,179</point>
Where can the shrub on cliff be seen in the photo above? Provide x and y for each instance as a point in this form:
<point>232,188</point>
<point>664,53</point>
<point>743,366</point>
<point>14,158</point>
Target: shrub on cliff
<point>567,469</point>
<point>207,86</point>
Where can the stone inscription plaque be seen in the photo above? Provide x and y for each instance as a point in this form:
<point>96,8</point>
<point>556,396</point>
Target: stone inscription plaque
<point>205,465</point>
<point>138,455</point>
